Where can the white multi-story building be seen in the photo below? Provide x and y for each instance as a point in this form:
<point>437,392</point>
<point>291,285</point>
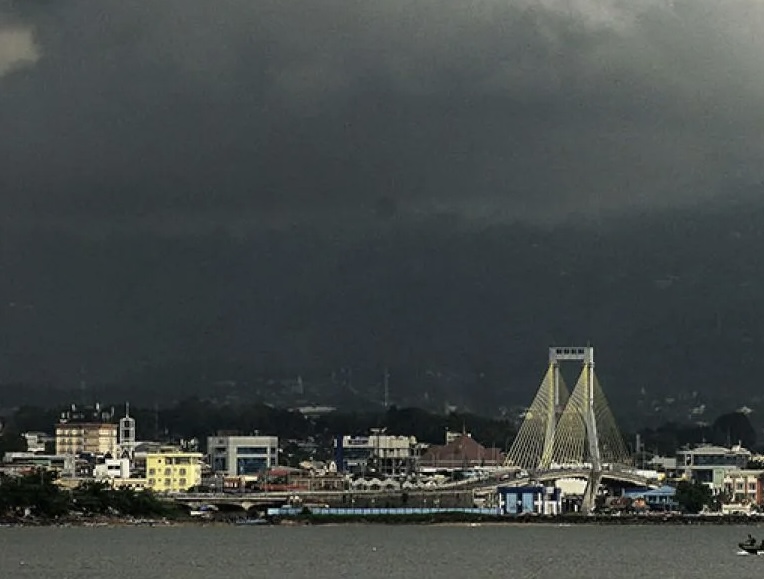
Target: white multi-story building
<point>242,455</point>
<point>379,452</point>
<point>112,468</point>
<point>711,464</point>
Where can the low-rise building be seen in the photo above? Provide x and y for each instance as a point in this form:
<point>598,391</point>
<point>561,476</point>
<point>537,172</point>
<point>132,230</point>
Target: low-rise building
<point>36,441</point>
<point>661,499</point>
<point>173,471</point>
<point>132,483</point>
<point>744,487</point>
<point>17,462</point>
<point>378,453</point>
<point>112,468</point>
<point>242,455</point>
<point>711,464</point>
<point>532,499</point>
<point>461,453</point>
<point>662,464</point>
<point>282,478</point>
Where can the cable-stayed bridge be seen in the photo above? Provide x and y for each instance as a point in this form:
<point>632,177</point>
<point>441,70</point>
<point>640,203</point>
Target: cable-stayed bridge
<point>572,434</point>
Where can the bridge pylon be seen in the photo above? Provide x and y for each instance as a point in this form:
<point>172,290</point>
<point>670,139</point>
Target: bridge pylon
<point>534,445</point>
<point>587,432</point>
<point>569,431</point>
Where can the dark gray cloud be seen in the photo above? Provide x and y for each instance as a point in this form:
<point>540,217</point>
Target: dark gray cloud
<point>406,153</point>
<point>194,115</point>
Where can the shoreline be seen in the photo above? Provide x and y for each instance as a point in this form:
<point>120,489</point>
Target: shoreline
<point>442,520</point>
<point>561,521</point>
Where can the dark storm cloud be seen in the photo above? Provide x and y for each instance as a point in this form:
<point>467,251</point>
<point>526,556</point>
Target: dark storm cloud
<point>192,115</point>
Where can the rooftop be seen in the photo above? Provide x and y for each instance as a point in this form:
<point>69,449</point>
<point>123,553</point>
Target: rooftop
<point>710,449</point>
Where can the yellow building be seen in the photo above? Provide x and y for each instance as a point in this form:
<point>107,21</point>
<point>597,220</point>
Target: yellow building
<point>96,438</point>
<point>173,471</point>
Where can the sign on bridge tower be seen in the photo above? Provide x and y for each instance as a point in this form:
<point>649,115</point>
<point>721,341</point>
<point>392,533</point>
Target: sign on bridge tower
<point>560,430</point>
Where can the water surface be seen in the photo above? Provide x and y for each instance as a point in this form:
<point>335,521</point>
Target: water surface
<point>379,552</point>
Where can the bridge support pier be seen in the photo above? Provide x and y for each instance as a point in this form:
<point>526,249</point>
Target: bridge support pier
<point>590,492</point>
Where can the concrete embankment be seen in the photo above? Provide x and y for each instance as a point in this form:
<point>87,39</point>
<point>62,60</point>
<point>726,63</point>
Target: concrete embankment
<point>442,518</point>
<point>469,519</point>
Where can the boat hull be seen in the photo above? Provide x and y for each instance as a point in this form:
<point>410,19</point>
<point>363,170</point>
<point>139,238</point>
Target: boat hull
<point>746,549</point>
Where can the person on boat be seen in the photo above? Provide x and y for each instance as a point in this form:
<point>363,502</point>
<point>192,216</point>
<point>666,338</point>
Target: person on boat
<point>750,540</point>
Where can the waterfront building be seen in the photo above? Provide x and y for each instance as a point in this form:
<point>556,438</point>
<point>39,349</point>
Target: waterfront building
<point>531,499</point>
<point>661,499</point>
<point>173,471</point>
<point>242,455</point>
<point>710,464</point>
<point>71,483</point>
<point>744,487</point>
<point>378,453</point>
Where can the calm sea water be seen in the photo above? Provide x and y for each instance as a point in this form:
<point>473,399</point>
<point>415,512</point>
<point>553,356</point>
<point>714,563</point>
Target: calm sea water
<point>372,552</point>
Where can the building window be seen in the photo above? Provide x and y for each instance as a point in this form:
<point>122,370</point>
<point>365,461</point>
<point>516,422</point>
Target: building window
<point>252,450</point>
<point>167,482</point>
<point>250,465</point>
<point>182,482</point>
<point>152,471</point>
<point>152,482</point>
<point>167,471</point>
<point>182,472</point>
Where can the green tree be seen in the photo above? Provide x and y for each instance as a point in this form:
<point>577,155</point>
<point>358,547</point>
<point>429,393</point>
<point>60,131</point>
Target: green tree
<point>35,491</point>
<point>693,496</point>
<point>92,498</point>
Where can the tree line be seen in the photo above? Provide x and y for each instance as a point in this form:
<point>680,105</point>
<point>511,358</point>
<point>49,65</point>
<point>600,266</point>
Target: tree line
<point>36,495</point>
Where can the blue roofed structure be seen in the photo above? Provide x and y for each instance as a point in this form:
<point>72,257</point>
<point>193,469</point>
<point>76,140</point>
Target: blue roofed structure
<point>660,499</point>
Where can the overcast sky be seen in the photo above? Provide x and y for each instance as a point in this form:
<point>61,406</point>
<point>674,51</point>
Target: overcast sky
<point>179,118</point>
<point>183,114</point>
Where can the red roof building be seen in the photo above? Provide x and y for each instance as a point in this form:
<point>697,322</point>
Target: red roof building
<point>461,453</point>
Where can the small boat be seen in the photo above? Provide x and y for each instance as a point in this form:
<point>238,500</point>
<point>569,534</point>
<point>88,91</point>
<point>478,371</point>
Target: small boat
<point>752,547</point>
